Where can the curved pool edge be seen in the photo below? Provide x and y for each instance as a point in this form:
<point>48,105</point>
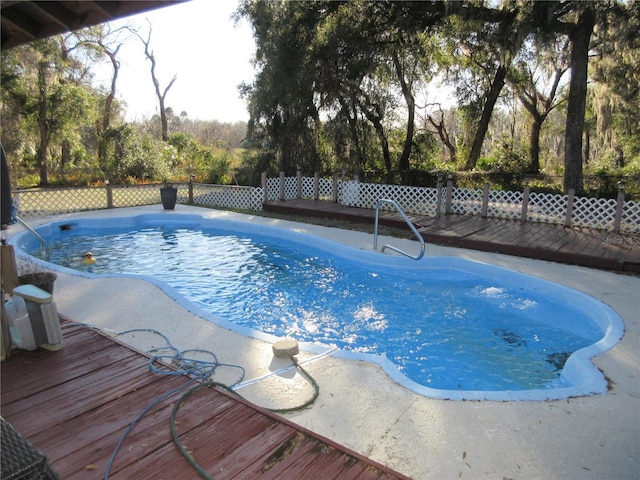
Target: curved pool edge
<point>579,368</point>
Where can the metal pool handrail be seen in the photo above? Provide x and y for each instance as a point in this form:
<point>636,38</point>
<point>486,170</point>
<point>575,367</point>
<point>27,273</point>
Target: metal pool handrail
<point>43,242</point>
<point>406,219</point>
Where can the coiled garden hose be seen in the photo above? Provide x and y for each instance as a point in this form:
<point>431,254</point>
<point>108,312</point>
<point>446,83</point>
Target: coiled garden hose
<point>174,412</point>
<point>198,370</point>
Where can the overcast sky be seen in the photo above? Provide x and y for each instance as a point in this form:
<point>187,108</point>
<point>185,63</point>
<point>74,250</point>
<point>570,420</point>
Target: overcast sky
<point>199,42</point>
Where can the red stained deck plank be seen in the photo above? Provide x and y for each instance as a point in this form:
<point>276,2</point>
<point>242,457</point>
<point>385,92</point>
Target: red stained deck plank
<point>97,433</point>
<point>63,362</point>
<point>85,394</point>
<point>77,403</point>
<point>260,448</point>
<point>37,394</point>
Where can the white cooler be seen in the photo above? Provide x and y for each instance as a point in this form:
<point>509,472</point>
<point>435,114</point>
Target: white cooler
<point>20,329</point>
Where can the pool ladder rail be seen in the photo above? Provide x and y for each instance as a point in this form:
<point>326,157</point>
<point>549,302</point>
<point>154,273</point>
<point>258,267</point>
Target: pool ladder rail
<point>45,246</point>
<point>406,219</point>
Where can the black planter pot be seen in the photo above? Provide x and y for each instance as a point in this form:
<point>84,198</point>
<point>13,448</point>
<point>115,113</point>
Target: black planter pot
<point>169,196</point>
<point>42,280</point>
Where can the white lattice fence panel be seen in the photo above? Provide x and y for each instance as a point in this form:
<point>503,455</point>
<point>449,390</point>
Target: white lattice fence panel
<point>416,200</point>
<point>443,200</point>
<point>325,188</point>
<point>630,221</point>
<point>504,204</point>
<point>41,203</point>
<point>466,201</point>
<point>257,196</point>
<point>273,189</point>
<point>307,184</point>
<point>370,193</point>
<point>547,208</point>
<point>350,194</point>
<point>223,196</point>
<point>183,193</point>
<point>341,185</point>
<point>290,188</point>
<point>593,212</point>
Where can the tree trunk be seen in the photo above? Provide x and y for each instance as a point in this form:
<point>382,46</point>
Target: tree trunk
<point>106,114</point>
<point>587,146</point>
<point>619,157</point>
<point>43,126</point>
<point>66,155</point>
<point>580,37</point>
<point>487,111</point>
<point>163,121</point>
<point>384,143</point>
<point>356,157</point>
<point>156,84</point>
<point>534,144</point>
<point>403,163</point>
<point>441,129</point>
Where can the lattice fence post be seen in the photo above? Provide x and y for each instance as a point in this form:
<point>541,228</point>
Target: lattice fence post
<point>525,203</point>
<point>109,194</point>
<point>334,191</point>
<point>485,201</point>
<point>263,184</point>
<point>281,186</point>
<point>617,220</point>
<point>449,198</point>
<point>298,183</point>
<point>570,197</point>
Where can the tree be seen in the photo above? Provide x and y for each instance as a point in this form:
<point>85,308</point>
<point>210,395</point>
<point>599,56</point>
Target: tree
<point>103,42</point>
<point>535,78</point>
<point>512,24</point>
<point>489,51</point>
<point>580,37</point>
<point>284,119</point>
<point>616,94</point>
<point>437,120</point>
<point>161,94</point>
<point>50,100</point>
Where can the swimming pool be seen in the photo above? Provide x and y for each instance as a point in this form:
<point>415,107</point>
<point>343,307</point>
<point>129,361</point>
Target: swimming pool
<point>444,327</point>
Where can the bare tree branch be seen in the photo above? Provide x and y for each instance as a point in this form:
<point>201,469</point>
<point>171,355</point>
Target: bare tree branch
<point>156,83</point>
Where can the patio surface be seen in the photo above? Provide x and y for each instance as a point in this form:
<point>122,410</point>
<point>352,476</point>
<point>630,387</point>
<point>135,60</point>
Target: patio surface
<point>360,407</point>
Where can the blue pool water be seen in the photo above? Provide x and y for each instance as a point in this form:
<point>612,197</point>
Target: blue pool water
<point>445,324</point>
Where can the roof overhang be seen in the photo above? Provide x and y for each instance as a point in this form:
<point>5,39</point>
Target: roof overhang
<point>25,21</point>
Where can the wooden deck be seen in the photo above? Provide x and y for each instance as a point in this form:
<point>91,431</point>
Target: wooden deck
<point>75,404</point>
<point>542,241</point>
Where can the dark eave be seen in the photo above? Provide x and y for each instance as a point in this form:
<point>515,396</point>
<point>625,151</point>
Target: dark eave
<point>26,21</point>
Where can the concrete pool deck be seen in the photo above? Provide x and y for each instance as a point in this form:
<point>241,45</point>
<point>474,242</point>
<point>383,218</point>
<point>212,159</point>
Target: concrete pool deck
<point>360,407</point>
